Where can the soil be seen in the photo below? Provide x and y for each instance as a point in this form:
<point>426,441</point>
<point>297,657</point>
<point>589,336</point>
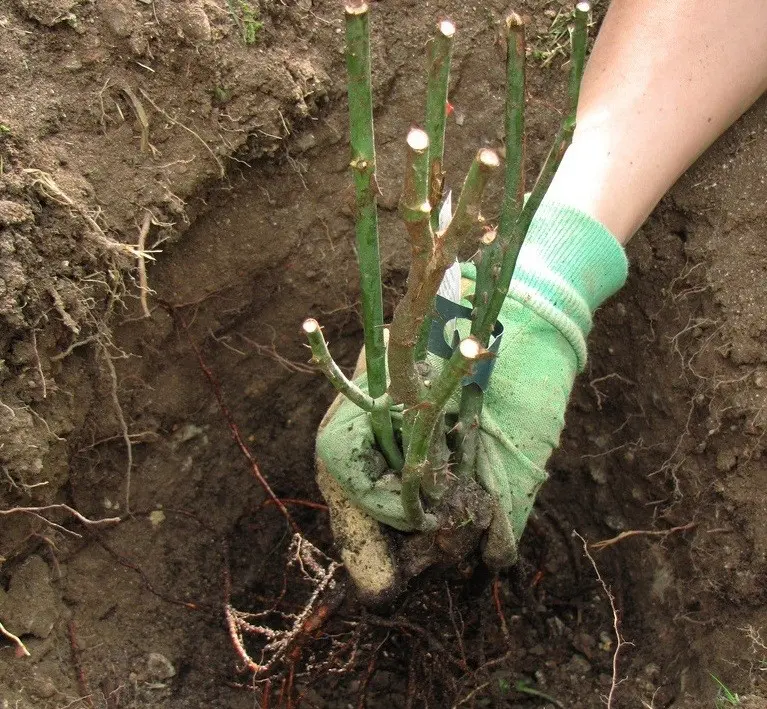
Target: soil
<point>125,114</point>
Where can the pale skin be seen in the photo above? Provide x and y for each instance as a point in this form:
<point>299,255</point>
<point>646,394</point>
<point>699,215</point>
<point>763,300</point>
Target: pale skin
<point>664,80</point>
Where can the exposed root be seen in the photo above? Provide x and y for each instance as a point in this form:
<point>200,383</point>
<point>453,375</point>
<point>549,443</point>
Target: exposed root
<point>142,279</point>
<point>232,424</point>
<point>38,512</point>
<point>129,564</point>
<point>271,352</point>
<point>143,120</point>
<point>82,679</point>
<point>605,543</point>
<point>66,318</point>
<point>280,635</point>
<point>48,187</point>
<point>39,364</point>
<point>621,643</point>
<point>221,170</point>
<point>123,425</point>
<point>326,595</point>
<point>21,649</point>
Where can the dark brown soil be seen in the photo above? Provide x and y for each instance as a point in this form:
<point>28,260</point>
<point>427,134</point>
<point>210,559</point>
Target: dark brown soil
<point>665,431</point>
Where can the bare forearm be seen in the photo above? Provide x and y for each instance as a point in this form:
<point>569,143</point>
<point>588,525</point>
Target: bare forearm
<point>665,79</point>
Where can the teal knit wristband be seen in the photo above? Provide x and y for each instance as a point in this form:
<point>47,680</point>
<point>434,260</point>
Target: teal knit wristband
<point>567,267</point>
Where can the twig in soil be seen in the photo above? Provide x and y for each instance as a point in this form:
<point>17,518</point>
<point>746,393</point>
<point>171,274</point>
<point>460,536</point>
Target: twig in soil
<point>458,633</point>
<point>68,351</point>
<point>616,621</point>
<point>21,649</point>
<point>123,425</point>
<point>272,353</point>
<point>605,543</point>
<point>407,626</point>
<point>499,610</point>
<point>142,280</point>
<point>66,318</point>
<point>175,122</point>
<point>82,679</point>
<point>369,673</point>
<point>39,364</point>
<point>299,503</point>
<point>138,109</point>
<point>37,512</point>
<point>411,678</point>
<point>474,692</point>
<point>127,563</point>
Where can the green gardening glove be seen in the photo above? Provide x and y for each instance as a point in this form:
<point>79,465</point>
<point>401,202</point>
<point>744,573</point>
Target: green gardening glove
<point>568,266</point>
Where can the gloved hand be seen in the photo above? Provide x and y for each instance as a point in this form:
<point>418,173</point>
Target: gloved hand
<point>568,266</point>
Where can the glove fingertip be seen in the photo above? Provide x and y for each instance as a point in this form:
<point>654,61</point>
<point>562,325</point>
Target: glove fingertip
<point>499,550</point>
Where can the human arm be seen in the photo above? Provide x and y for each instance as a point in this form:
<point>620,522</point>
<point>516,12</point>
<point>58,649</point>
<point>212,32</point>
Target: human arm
<point>665,78</point>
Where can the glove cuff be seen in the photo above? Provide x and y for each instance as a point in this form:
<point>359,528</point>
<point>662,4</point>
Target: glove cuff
<point>565,246</point>
<point>568,266</point>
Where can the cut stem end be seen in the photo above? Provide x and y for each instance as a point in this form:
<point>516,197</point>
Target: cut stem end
<point>447,28</point>
<point>418,140</point>
<point>356,8</point>
<point>489,158</point>
<point>310,326</point>
<point>470,348</point>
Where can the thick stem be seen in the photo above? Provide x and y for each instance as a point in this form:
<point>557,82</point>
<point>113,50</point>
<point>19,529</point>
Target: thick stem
<point>489,303</point>
<point>467,214</point>
<point>429,416</point>
<point>415,305</point>
<point>469,412</point>
<point>405,386</point>
<point>366,217</point>
<point>508,240</point>
<point>505,247</point>
<point>440,50</point>
<point>415,207</point>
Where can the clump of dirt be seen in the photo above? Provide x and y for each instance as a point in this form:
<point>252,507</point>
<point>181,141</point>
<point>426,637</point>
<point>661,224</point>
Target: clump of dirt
<point>202,145</point>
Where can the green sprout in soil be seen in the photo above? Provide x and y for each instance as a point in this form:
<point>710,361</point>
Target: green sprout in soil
<point>726,697</point>
<point>248,20</point>
<point>421,446</point>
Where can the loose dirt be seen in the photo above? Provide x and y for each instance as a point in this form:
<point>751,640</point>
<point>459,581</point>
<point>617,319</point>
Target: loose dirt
<point>125,114</point>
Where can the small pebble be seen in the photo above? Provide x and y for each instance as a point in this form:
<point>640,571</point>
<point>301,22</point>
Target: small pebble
<point>159,667</point>
<point>725,461</point>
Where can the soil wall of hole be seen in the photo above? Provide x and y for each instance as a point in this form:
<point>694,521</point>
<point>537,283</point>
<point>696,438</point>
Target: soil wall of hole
<point>665,429</point>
